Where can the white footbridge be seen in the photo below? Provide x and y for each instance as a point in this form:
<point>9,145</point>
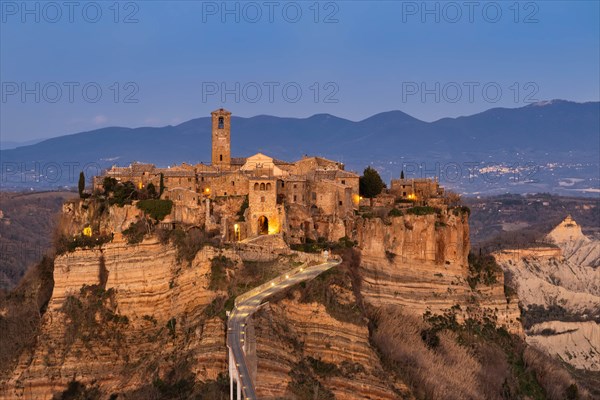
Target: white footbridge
<point>245,306</point>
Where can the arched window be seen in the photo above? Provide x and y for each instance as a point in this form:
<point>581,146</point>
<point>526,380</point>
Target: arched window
<point>268,186</point>
<point>221,123</point>
<point>262,186</point>
<point>256,186</point>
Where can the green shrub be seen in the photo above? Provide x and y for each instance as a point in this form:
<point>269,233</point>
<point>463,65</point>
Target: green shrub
<point>243,207</point>
<point>123,193</point>
<point>218,273</point>
<point>482,269</point>
<point>158,209</point>
<point>171,324</point>
<point>323,368</point>
<point>66,244</point>
<point>440,224</point>
<point>189,242</point>
<point>423,210</point>
<point>394,212</point>
<point>135,233</point>
<point>461,210</point>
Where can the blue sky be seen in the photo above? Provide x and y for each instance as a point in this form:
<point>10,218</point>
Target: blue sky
<point>167,62</point>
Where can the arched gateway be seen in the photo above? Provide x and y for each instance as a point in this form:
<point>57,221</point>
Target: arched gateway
<point>263,225</point>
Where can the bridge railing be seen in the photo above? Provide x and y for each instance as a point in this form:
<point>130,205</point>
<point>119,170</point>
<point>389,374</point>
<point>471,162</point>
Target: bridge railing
<point>245,380</point>
<point>279,279</point>
<point>266,285</point>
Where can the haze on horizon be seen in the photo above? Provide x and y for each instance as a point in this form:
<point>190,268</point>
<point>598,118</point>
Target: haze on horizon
<point>160,63</point>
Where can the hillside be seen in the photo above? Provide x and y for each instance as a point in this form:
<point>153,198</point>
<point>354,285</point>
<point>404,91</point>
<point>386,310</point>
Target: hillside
<point>142,316</point>
<point>26,226</point>
<point>559,293</point>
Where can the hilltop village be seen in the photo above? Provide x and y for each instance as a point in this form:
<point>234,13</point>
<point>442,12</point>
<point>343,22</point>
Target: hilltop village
<point>307,199</point>
<point>150,264</point>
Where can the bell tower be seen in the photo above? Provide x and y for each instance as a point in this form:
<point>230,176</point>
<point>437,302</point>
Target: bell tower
<point>221,138</point>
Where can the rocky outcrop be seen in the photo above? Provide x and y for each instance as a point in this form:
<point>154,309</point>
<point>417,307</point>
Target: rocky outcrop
<point>559,291</point>
<point>543,276</point>
<point>145,307</point>
<point>577,248</point>
<point>289,332</point>
<point>420,263</point>
<point>577,343</point>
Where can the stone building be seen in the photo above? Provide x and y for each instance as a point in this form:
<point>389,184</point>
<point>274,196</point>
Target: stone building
<point>310,198</point>
<point>422,191</point>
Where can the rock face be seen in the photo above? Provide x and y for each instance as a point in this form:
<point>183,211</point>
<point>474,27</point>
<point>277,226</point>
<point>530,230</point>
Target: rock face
<point>559,289</point>
<point>142,289</point>
<point>122,316</point>
<point>421,264</point>
<point>577,343</point>
<point>577,248</point>
<point>289,332</point>
<point>543,276</point>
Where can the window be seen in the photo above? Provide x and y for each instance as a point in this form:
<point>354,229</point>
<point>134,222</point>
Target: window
<point>179,197</point>
<point>295,186</point>
<point>221,157</point>
<point>189,179</point>
<point>314,196</point>
<point>295,198</point>
<point>343,182</point>
<point>262,199</point>
<point>341,203</point>
<point>232,183</point>
<point>256,186</point>
<point>202,179</point>
<point>268,186</point>
<point>262,186</point>
<point>221,123</point>
<point>224,193</point>
<point>282,184</point>
<point>403,193</point>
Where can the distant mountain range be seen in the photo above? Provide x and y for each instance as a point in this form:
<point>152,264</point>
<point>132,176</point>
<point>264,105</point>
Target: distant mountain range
<point>555,131</point>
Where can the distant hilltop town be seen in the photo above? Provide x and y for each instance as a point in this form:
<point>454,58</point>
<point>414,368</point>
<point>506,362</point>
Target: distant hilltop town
<point>259,195</point>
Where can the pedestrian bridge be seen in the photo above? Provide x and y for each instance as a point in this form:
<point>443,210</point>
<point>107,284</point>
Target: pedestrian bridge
<point>241,384</point>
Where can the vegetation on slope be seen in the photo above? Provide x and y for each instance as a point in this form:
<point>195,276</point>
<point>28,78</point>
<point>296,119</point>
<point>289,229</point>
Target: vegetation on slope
<point>442,359</point>
<point>23,309</point>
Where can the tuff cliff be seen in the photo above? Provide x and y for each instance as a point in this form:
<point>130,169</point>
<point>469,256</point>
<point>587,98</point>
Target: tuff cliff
<point>421,263</point>
<point>121,317</point>
<point>146,320</point>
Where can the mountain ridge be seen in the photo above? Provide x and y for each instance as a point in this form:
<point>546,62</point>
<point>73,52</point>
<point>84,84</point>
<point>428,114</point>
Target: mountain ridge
<point>553,132</point>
